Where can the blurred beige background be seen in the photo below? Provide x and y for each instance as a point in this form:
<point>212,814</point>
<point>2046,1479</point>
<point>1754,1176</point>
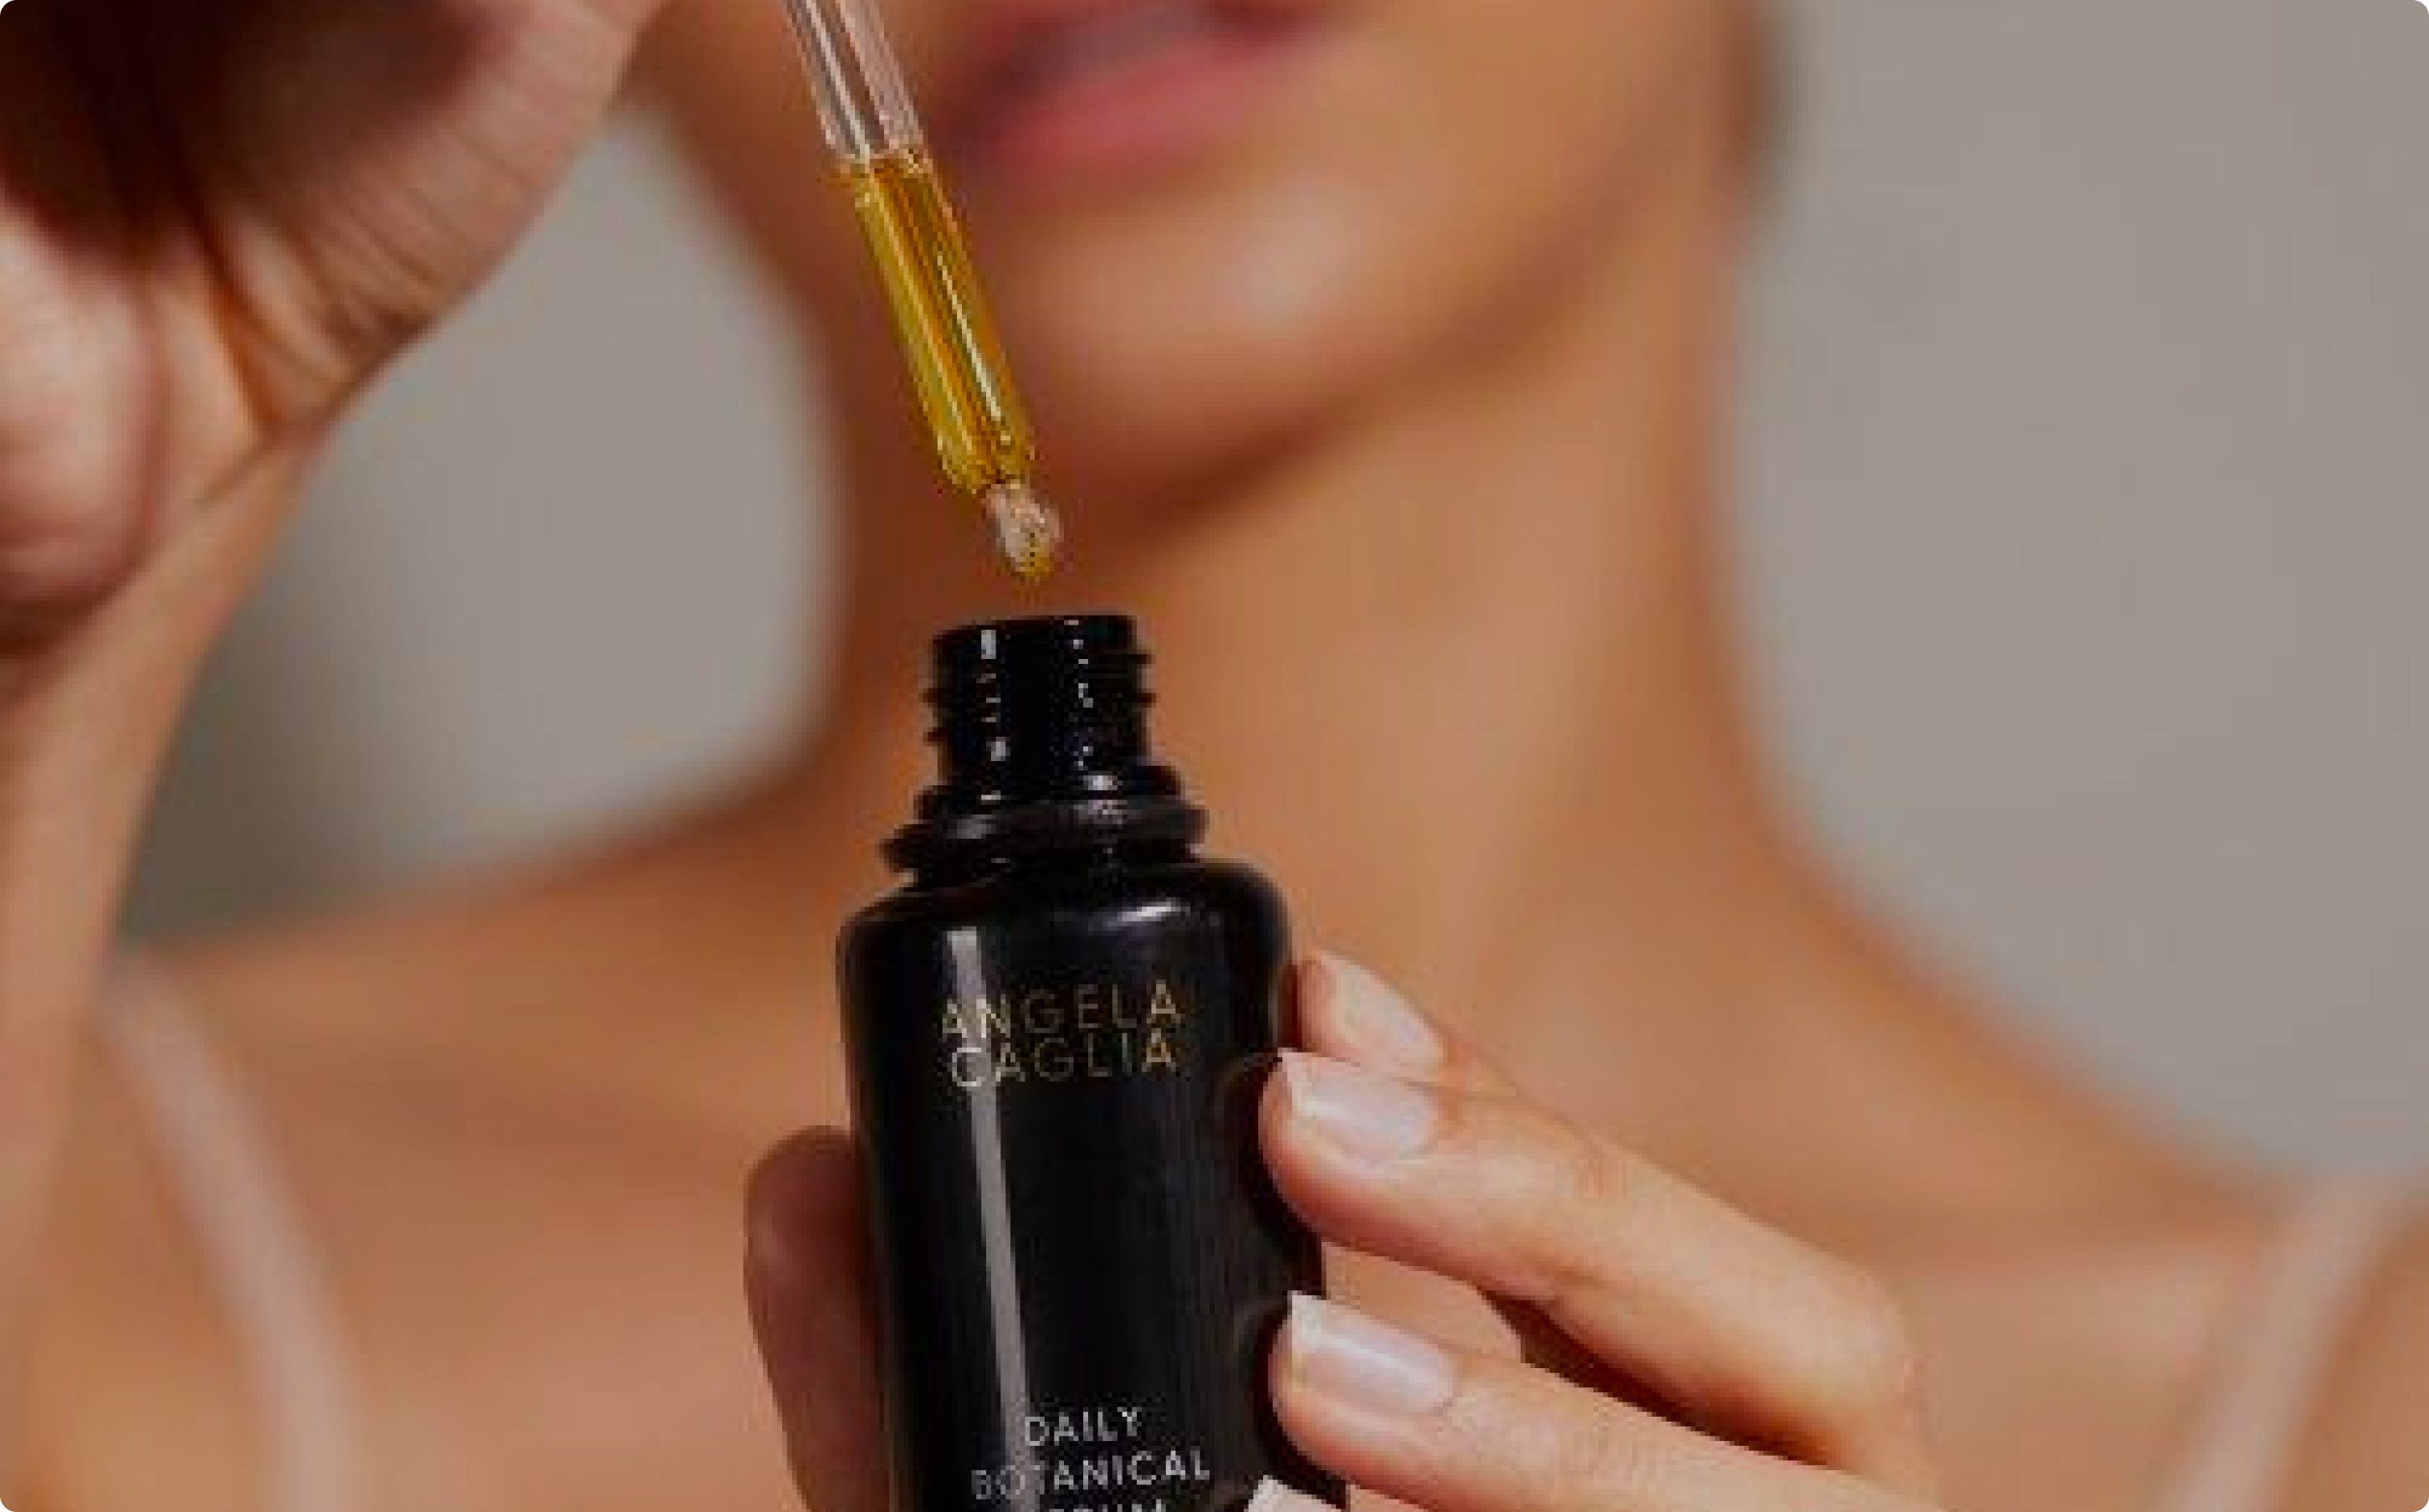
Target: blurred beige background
<point>2088,559</point>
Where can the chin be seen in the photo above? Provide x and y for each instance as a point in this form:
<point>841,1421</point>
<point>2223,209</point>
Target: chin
<point>1186,293</point>
<point>1181,295</point>
<point>1156,358</point>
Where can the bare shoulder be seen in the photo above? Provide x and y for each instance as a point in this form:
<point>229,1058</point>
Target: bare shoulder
<point>131,1332</point>
<point>124,1336</point>
<point>2368,1453</point>
<point>456,1095</point>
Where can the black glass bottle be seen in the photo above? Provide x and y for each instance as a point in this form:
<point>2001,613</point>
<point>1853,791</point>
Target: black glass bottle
<point>1058,1030</point>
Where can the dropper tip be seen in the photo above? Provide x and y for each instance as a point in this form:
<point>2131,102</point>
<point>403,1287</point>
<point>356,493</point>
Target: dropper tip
<point>1027,530</point>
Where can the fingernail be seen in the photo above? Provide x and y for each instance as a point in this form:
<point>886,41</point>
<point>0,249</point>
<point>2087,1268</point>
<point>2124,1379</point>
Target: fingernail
<point>1383,1022</point>
<point>1368,1116</point>
<point>1273,1496</point>
<point>1365,1363</point>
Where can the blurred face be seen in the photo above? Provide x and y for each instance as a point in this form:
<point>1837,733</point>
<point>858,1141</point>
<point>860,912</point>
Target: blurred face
<point>1208,225</point>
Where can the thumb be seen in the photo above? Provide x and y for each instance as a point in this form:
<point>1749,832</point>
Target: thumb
<point>807,1272</point>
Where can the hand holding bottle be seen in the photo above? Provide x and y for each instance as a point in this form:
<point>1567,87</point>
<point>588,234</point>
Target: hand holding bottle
<point>813,1303</point>
<point>1679,1353</point>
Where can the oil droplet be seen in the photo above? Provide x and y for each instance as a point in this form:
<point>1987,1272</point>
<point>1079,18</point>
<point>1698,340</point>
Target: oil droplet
<point>1027,530</point>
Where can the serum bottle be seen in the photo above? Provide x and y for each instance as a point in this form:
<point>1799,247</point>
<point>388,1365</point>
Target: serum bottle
<point>1058,1030</point>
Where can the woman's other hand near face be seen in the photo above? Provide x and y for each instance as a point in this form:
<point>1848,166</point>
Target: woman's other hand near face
<point>216,221</point>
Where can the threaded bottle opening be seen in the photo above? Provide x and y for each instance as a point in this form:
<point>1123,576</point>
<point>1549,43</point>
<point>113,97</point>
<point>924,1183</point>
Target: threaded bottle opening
<point>1040,709</point>
<point>1041,730</point>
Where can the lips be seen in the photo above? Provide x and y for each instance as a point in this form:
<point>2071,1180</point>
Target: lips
<point>1080,89</point>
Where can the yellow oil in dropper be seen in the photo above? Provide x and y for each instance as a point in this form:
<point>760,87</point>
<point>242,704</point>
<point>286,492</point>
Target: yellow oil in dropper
<point>932,287</point>
<point>957,363</point>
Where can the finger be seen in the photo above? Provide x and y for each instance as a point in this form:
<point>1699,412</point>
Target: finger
<point>1452,1432</point>
<point>810,1302</point>
<point>1350,1013</point>
<point>1741,1328</point>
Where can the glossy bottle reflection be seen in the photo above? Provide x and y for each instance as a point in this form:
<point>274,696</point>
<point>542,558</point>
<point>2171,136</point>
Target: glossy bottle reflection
<point>1058,1031</point>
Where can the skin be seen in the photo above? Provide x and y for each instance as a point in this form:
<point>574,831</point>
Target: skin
<point>1411,382</point>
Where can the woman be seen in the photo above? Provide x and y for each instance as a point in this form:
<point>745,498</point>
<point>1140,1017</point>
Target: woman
<point>1379,348</point>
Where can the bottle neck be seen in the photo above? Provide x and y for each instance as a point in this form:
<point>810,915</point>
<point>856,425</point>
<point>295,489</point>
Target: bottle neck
<point>929,862</point>
<point>1042,751</point>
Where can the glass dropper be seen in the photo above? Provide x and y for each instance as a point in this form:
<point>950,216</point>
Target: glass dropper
<point>940,311</point>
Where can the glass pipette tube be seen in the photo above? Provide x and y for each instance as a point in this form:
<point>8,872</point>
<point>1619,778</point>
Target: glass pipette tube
<point>940,312</point>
